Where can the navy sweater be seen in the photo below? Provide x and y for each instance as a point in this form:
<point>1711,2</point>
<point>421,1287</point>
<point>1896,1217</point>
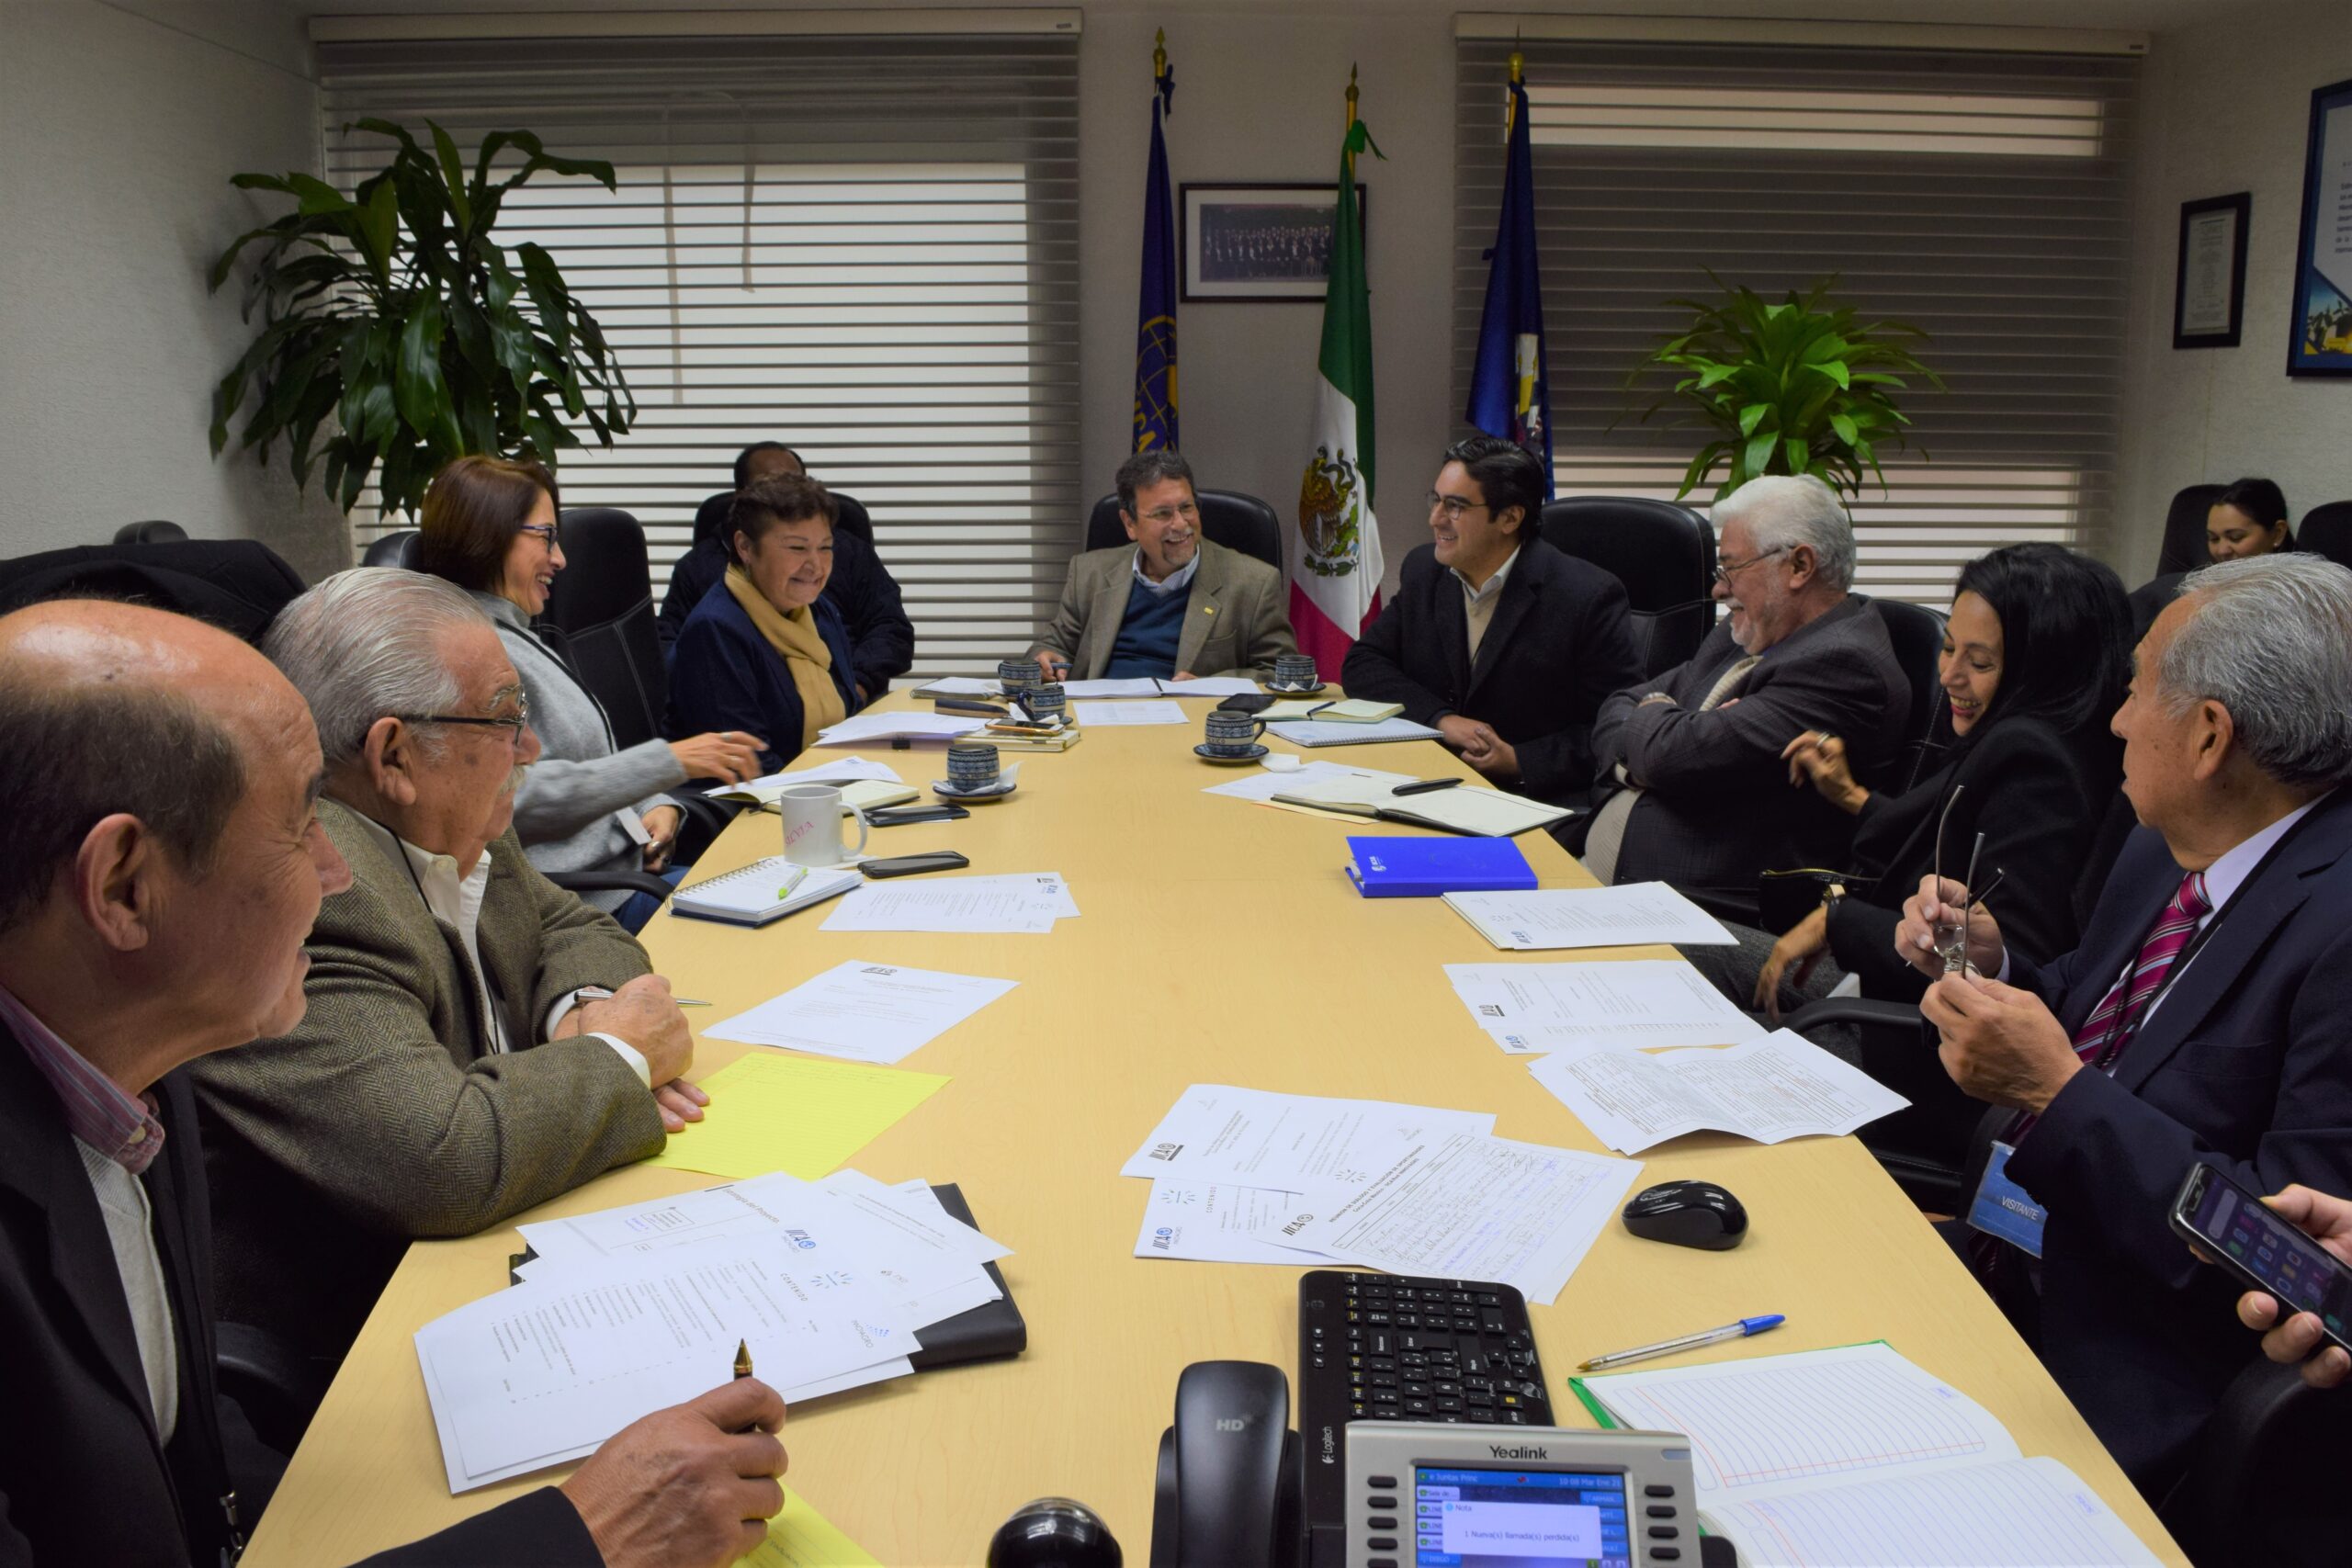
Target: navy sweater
<point>1148,633</point>
<point>723,675</point>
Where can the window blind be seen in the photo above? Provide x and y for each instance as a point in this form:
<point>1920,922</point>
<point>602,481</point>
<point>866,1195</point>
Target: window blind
<point>863,246</point>
<point>1981,196</point>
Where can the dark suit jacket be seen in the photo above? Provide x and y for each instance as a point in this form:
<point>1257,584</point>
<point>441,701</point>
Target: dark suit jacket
<point>2246,1063</point>
<point>82,1478</point>
<point>861,591</point>
<point>723,675</point>
<point>1558,644</point>
<point>1717,809</point>
<point>2039,799</point>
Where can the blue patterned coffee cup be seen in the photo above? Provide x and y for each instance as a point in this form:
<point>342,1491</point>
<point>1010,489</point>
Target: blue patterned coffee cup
<point>1048,700</point>
<point>972,764</point>
<point>1231,734</point>
<point>1295,670</point>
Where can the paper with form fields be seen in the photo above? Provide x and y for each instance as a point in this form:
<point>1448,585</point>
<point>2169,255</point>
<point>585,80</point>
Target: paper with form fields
<point>1213,1221</point>
<point>1530,1009</point>
<point>867,1012</point>
<point>1022,903</point>
<point>1128,713</point>
<point>1467,1206</point>
<point>1631,916</point>
<point>1264,784</point>
<point>793,1113</point>
<point>2019,1513</point>
<point>1258,1138</point>
<point>1314,732</point>
<point>1771,1089</point>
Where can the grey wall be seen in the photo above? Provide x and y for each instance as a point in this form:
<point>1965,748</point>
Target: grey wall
<point>121,132</point>
<point>2224,106</point>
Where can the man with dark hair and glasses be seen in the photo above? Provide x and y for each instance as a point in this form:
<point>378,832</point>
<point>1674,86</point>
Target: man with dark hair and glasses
<point>477,1040</point>
<point>1505,644</point>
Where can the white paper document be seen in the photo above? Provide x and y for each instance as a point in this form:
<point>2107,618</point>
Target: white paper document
<point>867,1012</point>
<point>1213,1222</point>
<point>1128,713</point>
<point>962,686</point>
<point>1630,915</point>
<point>859,728</point>
<point>1467,1206</point>
<point>1023,903</point>
<point>1530,1009</point>
<point>1132,686</point>
<point>1264,784</point>
<point>1316,732</point>
<point>1781,1087</point>
<point>1209,686</point>
<point>1292,1142</point>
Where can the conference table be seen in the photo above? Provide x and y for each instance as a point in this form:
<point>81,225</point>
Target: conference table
<point>1219,941</point>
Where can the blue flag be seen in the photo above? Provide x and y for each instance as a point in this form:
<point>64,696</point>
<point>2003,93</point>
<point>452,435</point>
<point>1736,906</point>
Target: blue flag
<point>1155,314</point>
<point>1511,387</point>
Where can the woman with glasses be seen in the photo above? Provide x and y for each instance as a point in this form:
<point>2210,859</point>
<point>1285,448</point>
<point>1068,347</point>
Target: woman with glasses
<point>488,526</point>
<point>2034,662</point>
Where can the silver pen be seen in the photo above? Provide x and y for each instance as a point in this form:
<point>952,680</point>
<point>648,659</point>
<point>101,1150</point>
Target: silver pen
<point>1740,1330</point>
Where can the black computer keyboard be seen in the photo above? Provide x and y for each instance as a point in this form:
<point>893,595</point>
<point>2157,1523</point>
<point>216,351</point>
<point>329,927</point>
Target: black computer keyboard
<point>1392,1348</point>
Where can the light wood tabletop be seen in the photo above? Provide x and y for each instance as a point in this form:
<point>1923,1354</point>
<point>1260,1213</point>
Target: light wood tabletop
<point>1219,941</point>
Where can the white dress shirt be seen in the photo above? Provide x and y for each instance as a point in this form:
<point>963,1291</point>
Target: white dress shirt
<point>1182,577</point>
<point>1478,604</point>
<point>2222,879</point>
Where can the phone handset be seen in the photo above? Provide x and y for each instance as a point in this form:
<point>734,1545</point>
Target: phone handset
<point>1228,1483</point>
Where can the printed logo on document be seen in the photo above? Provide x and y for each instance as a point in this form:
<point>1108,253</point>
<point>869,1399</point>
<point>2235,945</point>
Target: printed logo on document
<point>1492,1009</point>
<point>1163,1239</point>
<point>802,1240</point>
<point>877,969</point>
<point>1166,1151</point>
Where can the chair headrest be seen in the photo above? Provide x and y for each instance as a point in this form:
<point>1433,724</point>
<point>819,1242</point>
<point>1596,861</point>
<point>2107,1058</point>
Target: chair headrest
<point>605,574</point>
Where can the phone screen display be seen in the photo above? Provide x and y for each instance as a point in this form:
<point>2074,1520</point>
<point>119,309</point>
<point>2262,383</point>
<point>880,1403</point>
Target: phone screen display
<point>1478,1517</point>
<point>2290,1265</point>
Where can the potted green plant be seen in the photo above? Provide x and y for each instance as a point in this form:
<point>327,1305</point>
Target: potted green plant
<point>1801,387</point>
<point>393,321</point>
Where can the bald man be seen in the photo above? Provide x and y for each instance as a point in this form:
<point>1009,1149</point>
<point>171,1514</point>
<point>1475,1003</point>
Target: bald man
<point>166,864</point>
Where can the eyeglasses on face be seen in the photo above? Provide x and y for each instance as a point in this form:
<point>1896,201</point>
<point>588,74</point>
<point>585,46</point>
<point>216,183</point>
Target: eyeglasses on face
<point>1725,569</point>
<point>544,531</point>
<point>1454,506</point>
<point>1164,515</point>
<point>514,723</point>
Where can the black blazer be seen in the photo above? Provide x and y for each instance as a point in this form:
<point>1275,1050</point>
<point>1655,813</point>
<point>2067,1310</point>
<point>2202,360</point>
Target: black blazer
<point>2246,1063</point>
<point>1559,643</point>
<point>2039,800</point>
<point>82,1478</point>
<point>1717,809</point>
<point>862,591</point>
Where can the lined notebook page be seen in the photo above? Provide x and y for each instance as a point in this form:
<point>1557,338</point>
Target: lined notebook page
<point>2020,1513</point>
<point>1815,1418</point>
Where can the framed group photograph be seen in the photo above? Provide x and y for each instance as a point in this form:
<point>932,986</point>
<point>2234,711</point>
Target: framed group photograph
<point>2321,327</point>
<point>1258,242</point>
<point>2209,288</point>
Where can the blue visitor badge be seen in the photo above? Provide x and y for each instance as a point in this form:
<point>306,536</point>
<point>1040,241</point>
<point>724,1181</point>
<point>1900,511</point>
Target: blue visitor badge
<point>2005,1210</point>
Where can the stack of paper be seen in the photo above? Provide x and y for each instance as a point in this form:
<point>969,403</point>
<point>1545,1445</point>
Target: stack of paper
<point>767,788</point>
<point>1025,902</point>
<point>986,686</point>
<point>936,728</point>
<point>1530,1009</point>
<point>1780,1086</point>
<point>1855,1456</point>
<point>1631,916</point>
<point>1146,686</point>
<point>632,1309</point>
<point>1314,732</point>
<point>1128,713</point>
<point>1337,710</point>
<point>868,1012</point>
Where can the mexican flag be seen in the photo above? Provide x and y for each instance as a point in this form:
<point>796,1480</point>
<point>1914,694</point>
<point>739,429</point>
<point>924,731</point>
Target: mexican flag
<point>1334,563</point>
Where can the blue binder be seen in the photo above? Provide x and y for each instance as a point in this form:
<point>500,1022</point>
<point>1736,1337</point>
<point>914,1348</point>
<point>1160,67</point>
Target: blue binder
<point>1423,868</point>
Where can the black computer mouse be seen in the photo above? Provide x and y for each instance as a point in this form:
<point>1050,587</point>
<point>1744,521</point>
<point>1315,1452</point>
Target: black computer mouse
<point>1688,1213</point>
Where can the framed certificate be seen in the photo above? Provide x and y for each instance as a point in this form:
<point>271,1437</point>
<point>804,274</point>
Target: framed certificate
<point>2209,290</point>
<point>2321,344</point>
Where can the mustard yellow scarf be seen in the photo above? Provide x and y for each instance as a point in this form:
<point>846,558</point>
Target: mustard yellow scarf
<point>802,648</point>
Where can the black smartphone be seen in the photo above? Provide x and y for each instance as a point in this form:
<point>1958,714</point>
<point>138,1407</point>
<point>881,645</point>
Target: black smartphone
<point>1246,702</point>
<point>900,816</point>
<point>2237,1230</point>
<point>909,865</point>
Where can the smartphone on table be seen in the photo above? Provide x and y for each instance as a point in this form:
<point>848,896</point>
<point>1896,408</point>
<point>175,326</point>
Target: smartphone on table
<point>2236,1229</point>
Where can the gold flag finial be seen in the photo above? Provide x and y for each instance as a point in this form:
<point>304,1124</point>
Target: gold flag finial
<point>1351,94</point>
<point>1511,99</point>
<point>1159,55</point>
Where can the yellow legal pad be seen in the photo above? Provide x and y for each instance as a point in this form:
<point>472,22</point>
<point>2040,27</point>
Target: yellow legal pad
<point>770,1112</point>
<point>800,1536</point>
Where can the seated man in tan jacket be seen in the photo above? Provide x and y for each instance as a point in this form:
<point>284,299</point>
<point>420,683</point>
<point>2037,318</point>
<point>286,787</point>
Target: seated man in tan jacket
<point>477,1040</point>
<point>1173,604</point>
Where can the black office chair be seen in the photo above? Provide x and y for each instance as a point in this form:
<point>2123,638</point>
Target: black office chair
<point>2327,530</point>
<point>2265,1485</point>
<point>1918,633</point>
<point>277,1387</point>
<point>395,548</point>
<point>2183,547</point>
<point>710,517</point>
<point>156,531</point>
<point>238,585</point>
<point>1663,552</point>
<point>602,606</point>
<point>1229,518</point>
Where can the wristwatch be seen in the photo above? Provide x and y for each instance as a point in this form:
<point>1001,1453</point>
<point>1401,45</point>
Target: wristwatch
<point>1831,896</point>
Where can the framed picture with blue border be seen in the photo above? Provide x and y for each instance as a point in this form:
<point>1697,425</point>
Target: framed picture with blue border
<point>2322,340</point>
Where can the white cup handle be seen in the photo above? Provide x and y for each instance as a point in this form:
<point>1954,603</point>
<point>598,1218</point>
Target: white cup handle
<point>863,828</point>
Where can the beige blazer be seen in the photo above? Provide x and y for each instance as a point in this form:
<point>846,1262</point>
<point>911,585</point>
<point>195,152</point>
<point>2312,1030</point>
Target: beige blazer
<point>385,1116</point>
<point>1234,624</point>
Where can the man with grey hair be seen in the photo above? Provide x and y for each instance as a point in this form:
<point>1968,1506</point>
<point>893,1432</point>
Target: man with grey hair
<point>1702,795</point>
<point>1174,606</point>
<point>2203,1017</point>
<point>477,1040</point>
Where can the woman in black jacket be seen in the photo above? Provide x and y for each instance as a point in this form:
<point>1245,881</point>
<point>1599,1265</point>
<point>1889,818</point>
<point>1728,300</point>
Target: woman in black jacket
<point>2035,659</point>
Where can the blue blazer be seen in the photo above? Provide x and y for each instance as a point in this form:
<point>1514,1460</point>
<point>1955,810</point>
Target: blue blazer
<point>723,675</point>
<point>2247,1064</point>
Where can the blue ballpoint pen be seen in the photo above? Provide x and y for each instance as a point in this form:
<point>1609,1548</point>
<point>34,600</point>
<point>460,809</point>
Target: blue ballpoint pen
<point>1740,1330</point>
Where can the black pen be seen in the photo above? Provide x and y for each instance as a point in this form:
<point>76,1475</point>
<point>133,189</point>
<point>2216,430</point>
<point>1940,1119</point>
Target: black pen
<point>1424,786</point>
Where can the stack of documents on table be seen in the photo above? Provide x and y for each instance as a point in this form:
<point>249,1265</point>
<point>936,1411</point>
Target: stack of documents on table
<point>1631,915</point>
<point>1247,1175</point>
<point>1461,808</point>
<point>867,1012</point>
<point>633,1309</point>
<point>1337,710</point>
<point>1146,686</point>
<point>1128,713</point>
<point>1024,903</point>
<point>1314,732</point>
<point>1855,1457</point>
<point>1781,1087</point>
<point>1530,1009</point>
<point>931,728</point>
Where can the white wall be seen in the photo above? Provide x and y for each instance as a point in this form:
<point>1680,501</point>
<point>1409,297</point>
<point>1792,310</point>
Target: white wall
<point>119,133</point>
<point>2225,105</point>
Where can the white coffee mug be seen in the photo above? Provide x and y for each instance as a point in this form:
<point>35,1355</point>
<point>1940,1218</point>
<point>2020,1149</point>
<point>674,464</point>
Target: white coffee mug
<point>812,824</point>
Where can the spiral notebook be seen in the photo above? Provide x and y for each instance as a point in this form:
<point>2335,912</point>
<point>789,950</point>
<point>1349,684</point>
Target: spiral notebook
<point>762,891</point>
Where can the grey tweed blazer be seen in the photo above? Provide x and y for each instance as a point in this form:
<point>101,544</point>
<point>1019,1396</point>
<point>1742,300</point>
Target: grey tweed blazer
<point>386,1116</point>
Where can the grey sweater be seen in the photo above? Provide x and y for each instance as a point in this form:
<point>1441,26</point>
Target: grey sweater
<point>567,813</point>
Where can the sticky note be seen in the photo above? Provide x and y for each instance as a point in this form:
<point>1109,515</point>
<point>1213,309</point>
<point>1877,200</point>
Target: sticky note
<point>770,1112</point>
<point>800,1536</point>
